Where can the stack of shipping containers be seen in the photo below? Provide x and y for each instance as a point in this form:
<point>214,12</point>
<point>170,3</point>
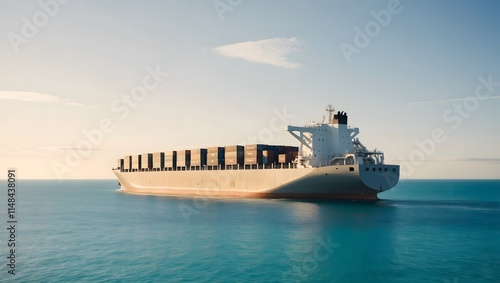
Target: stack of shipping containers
<point>170,160</point>
<point>127,163</point>
<point>233,156</point>
<point>146,161</point>
<point>158,161</point>
<point>198,158</point>
<point>230,157</point>
<point>289,154</point>
<point>270,156</point>
<point>253,154</point>
<point>120,164</point>
<point>183,159</point>
<point>136,163</point>
<point>215,158</point>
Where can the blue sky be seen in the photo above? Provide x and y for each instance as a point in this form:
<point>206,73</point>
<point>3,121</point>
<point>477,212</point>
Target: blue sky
<point>234,67</point>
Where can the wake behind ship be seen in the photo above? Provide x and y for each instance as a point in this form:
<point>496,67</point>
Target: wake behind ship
<point>329,163</point>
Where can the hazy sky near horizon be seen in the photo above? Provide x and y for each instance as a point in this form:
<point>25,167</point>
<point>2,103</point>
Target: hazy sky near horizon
<point>83,83</point>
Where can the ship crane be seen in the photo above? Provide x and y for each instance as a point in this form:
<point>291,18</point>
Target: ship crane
<point>367,156</point>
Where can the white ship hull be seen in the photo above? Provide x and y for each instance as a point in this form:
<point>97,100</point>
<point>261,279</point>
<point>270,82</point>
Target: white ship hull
<point>329,182</point>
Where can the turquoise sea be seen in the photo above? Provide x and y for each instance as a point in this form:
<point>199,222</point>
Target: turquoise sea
<point>85,231</point>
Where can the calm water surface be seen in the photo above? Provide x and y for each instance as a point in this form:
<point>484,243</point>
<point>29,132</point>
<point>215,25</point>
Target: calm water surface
<point>85,231</point>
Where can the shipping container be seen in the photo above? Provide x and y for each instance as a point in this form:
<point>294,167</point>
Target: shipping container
<point>233,148</point>
<point>253,147</point>
<point>120,164</point>
<point>268,157</point>
<point>287,157</point>
<point>136,162</point>
<point>216,162</point>
<point>170,159</point>
<point>198,151</point>
<point>252,160</point>
<point>158,160</point>
<point>253,153</point>
<point>275,148</point>
<point>215,153</point>
<point>146,161</point>
<point>215,156</point>
<point>199,157</point>
<point>234,161</point>
<point>233,155</point>
<point>215,149</point>
<point>183,158</point>
<point>170,153</point>
<point>282,158</point>
<point>291,149</point>
<point>127,162</point>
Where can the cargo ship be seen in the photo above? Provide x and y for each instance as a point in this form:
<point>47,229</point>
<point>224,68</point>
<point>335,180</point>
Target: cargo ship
<point>330,162</point>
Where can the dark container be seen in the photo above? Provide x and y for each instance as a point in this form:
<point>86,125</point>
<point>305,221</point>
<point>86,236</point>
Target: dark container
<point>268,157</point>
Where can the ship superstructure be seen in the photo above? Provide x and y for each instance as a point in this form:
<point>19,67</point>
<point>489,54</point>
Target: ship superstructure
<point>332,142</point>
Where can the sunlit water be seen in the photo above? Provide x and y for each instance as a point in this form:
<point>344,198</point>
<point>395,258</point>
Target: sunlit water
<point>85,231</point>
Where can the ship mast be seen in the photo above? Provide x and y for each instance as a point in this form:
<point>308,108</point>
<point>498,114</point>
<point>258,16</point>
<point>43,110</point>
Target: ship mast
<point>330,111</point>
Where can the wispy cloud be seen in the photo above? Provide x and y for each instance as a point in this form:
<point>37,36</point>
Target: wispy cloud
<point>48,151</point>
<point>453,99</point>
<point>36,97</point>
<point>474,159</point>
<point>483,159</point>
<point>63,148</point>
<point>269,51</point>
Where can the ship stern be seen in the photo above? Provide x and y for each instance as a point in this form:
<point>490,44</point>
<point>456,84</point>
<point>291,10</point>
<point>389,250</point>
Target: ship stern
<point>379,177</point>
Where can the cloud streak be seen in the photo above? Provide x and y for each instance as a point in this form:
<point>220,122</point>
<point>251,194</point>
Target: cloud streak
<point>63,148</point>
<point>269,51</point>
<point>35,97</point>
<point>474,159</point>
<point>453,99</point>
